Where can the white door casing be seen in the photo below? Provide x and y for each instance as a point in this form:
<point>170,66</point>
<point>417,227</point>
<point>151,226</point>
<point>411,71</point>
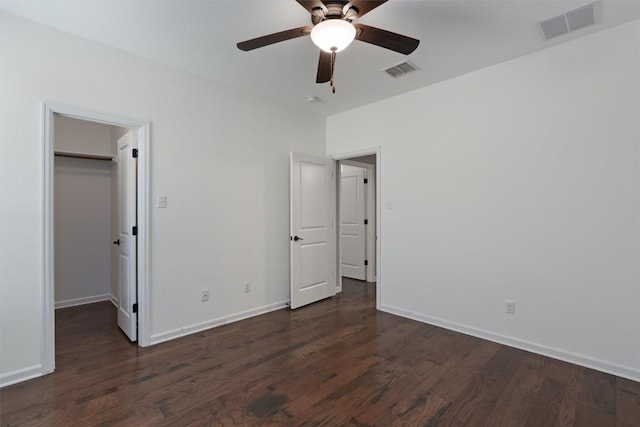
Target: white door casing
<point>127,266</point>
<point>352,217</point>
<point>142,128</point>
<point>313,235</point>
<point>372,217</point>
<point>374,203</point>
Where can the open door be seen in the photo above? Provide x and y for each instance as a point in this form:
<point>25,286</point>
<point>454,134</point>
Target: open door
<point>313,235</point>
<point>352,222</point>
<point>127,261</point>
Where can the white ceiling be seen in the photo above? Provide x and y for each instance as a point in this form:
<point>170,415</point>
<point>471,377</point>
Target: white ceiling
<point>456,36</point>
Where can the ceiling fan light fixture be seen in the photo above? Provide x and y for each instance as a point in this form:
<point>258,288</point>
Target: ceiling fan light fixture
<point>333,35</point>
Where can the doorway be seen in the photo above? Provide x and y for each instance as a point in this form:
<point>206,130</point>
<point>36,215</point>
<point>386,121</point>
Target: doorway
<point>87,168</point>
<point>357,215</point>
<point>315,259</point>
<point>85,211</point>
<point>367,163</point>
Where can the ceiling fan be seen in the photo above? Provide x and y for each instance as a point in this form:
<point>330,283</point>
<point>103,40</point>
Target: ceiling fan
<point>333,30</point>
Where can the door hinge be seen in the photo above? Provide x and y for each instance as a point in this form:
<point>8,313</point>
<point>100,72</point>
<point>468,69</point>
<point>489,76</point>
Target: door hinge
<point>366,262</point>
<point>366,222</point>
<point>135,308</point>
<point>366,181</point>
<point>134,153</point>
<point>134,230</point>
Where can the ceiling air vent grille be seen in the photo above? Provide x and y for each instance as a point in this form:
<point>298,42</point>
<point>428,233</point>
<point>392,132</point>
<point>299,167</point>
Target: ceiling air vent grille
<point>581,17</point>
<point>401,69</point>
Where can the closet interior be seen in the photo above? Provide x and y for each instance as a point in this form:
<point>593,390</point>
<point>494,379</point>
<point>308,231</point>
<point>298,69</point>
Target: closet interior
<point>85,211</point>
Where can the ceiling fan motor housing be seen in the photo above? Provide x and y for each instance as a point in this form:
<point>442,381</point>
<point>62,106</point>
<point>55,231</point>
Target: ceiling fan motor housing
<point>333,10</point>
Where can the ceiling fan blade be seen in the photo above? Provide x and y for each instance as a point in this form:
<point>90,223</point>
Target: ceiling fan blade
<point>274,38</point>
<point>324,67</point>
<point>311,4</point>
<point>364,6</point>
<point>386,39</point>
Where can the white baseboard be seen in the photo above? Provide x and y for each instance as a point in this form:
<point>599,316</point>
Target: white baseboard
<point>555,353</point>
<point>197,327</point>
<point>82,301</point>
<point>20,375</point>
<point>113,300</point>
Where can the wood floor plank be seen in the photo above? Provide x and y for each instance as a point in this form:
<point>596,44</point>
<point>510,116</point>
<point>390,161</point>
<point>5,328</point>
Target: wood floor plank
<point>573,380</point>
<point>389,403</point>
<point>336,362</point>
<point>515,405</point>
<point>587,416</point>
<point>599,391</point>
<point>627,403</point>
<point>463,365</point>
<point>546,407</point>
<point>475,403</point>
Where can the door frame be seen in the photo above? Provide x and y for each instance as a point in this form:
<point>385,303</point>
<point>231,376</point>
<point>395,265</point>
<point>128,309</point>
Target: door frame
<point>378,180</point>
<point>142,127</point>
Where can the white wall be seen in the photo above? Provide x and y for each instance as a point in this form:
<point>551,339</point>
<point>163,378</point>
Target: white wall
<point>369,159</point>
<point>517,182</point>
<point>220,155</point>
<point>81,136</point>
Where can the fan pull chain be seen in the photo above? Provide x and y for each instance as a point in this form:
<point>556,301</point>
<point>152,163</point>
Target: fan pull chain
<point>333,64</point>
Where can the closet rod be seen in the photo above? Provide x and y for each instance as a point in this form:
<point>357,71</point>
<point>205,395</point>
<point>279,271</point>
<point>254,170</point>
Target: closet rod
<point>83,156</point>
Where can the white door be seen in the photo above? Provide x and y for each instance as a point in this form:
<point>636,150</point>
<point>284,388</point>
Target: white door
<point>313,235</point>
<point>352,217</point>
<point>127,185</point>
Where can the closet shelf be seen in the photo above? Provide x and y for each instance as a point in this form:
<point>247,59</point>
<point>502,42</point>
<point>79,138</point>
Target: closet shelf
<point>84,156</point>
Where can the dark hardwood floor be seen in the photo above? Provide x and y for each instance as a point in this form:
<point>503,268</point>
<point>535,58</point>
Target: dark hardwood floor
<point>336,362</point>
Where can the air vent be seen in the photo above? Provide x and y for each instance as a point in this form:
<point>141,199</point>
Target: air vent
<point>401,69</point>
<point>554,27</point>
<point>581,17</point>
<point>572,20</point>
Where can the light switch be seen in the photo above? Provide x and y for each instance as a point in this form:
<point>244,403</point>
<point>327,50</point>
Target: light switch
<point>162,201</point>
<point>388,205</point>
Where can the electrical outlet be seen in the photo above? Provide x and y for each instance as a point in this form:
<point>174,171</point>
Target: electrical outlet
<point>247,287</point>
<point>510,307</point>
<point>205,295</point>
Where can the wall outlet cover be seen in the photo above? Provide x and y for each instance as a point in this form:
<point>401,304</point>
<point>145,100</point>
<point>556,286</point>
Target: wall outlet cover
<point>510,307</point>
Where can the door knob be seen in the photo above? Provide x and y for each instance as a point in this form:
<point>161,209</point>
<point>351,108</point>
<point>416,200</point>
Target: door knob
<point>116,242</point>
<point>296,238</point>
